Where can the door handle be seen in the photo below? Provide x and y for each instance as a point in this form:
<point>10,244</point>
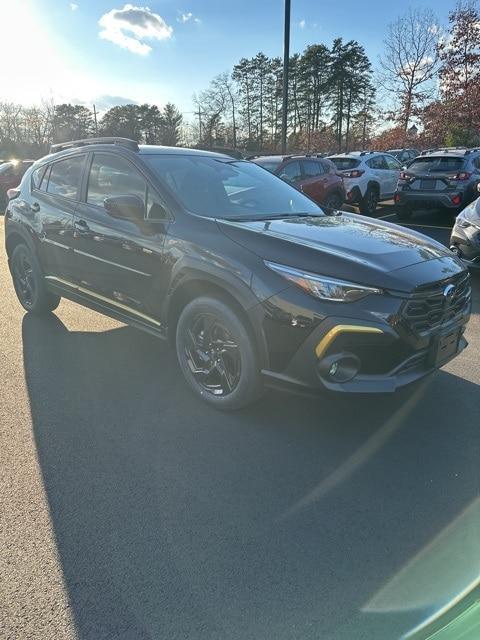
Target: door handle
<point>35,207</point>
<point>81,226</point>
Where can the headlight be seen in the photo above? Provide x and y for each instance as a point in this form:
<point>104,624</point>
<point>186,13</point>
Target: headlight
<point>461,222</point>
<point>324,287</point>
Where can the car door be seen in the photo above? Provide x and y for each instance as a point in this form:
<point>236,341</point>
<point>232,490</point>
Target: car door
<point>119,260</point>
<point>393,172</point>
<point>377,172</point>
<point>54,198</point>
<point>314,181</point>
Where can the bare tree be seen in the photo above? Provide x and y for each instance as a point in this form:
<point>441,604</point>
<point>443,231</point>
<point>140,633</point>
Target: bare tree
<point>410,62</point>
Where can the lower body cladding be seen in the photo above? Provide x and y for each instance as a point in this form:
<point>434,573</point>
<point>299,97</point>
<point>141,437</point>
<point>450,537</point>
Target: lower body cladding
<point>451,200</point>
<point>465,243</point>
<point>345,355</point>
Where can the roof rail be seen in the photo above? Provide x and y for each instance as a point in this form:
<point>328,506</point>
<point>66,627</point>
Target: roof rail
<point>124,142</point>
<point>364,153</point>
<point>472,151</point>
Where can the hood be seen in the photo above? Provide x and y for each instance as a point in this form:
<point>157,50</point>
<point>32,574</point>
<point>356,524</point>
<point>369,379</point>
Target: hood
<point>347,246</point>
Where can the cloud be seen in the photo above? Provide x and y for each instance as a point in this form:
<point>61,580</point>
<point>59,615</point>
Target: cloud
<point>302,24</point>
<point>187,16</point>
<point>73,6</point>
<point>141,22</point>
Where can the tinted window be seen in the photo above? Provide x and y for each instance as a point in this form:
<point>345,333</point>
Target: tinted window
<point>378,162</point>
<point>270,164</point>
<point>228,189</point>
<point>312,168</point>
<point>392,163</point>
<point>37,176</point>
<point>292,170</point>
<point>436,164</point>
<point>345,163</point>
<point>113,176</point>
<point>328,166</point>
<point>155,209</point>
<point>65,177</point>
<point>476,163</point>
<point>6,169</point>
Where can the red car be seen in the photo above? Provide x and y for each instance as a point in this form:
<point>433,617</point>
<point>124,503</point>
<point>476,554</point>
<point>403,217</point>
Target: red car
<point>11,174</point>
<point>316,177</point>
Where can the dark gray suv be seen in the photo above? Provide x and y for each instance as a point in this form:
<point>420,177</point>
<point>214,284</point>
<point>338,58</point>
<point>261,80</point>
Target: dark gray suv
<point>442,179</point>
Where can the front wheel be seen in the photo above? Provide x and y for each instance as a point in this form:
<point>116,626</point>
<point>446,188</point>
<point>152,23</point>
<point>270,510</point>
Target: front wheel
<point>29,283</point>
<point>369,202</point>
<point>217,354</point>
<point>333,201</point>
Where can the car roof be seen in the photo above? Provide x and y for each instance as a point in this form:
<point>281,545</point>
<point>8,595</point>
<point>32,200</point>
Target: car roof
<point>358,154</point>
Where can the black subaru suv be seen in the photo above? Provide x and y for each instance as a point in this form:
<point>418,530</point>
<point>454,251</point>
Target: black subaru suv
<point>443,179</point>
<point>247,277</point>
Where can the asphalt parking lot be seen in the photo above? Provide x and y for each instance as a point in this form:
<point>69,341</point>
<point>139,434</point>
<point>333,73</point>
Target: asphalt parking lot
<point>130,510</point>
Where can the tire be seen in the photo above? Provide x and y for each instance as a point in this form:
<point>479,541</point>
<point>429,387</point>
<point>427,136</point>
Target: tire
<point>333,201</point>
<point>217,355</point>
<point>369,202</point>
<point>29,283</point>
<point>403,212</point>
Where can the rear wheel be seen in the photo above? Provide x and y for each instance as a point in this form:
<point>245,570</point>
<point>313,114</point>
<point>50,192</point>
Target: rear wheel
<point>29,283</point>
<point>369,202</point>
<point>217,355</point>
<point>333,201</point>
<point>403,212</point>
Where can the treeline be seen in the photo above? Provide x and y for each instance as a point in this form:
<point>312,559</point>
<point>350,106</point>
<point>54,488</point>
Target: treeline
<point>425,92</point>
<point>331,100</point>
<point>28,132</point>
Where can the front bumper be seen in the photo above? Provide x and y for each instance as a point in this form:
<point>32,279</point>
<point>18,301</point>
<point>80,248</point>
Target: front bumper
<point>384,354</point>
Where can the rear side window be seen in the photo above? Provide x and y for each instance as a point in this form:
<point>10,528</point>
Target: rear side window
<point>378,162</point>
<point>392,163</point>
<point>292,170</point>
<point>345,163</point>
<point>113,176</point>
<point>476,163</point>
<point>271,165</point>
<point>37,176</point>
<point>65,177</point>
<point>312,168</point>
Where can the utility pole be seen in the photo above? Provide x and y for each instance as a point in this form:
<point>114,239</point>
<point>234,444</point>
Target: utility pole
<point>95,119</point>
<point>199,114</point>
<point>286,58</point>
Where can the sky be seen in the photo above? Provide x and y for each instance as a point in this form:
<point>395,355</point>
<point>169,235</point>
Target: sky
<point>108,52</point>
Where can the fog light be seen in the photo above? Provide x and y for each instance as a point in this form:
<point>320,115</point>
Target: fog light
<point>339,367</point>
<point>333,369</point>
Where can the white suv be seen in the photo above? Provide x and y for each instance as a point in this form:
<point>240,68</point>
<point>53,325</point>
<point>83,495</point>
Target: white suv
<point>368,176</point>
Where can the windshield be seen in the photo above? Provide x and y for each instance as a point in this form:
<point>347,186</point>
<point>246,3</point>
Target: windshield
<point>437,164</point>
<point>230,189</point>
<point>345,163</point>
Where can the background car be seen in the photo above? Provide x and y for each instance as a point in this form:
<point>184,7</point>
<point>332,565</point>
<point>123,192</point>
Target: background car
<point>404,156</point>
<point>465,238</point>
<point>11,174</point>
<point>368,176</point>
<point>443,179</point>
<point>317,177</point>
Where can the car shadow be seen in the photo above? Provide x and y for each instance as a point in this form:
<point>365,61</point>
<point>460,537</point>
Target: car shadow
<point>175,521</point>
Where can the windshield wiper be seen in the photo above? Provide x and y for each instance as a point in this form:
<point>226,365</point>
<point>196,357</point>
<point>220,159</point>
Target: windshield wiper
<point>279,216</point>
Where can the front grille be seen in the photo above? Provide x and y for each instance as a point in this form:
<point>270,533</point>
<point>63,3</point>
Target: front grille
<point>428,308</point>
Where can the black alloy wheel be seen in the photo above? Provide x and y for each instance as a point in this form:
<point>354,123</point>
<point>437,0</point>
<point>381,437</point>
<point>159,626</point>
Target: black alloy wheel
<point>369,202</point>
<point>29,283</point>
<point>216,354</point>
<point>212,355</point>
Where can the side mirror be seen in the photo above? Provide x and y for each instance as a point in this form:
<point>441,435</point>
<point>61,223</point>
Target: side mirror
<point>125,207</point>
<point>478,187</point>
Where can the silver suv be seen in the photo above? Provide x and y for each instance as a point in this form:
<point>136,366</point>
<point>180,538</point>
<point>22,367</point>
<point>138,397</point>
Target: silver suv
<point>368,176</point>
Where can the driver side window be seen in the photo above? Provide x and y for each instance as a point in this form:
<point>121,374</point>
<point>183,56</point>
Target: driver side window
<point>112,175</point>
